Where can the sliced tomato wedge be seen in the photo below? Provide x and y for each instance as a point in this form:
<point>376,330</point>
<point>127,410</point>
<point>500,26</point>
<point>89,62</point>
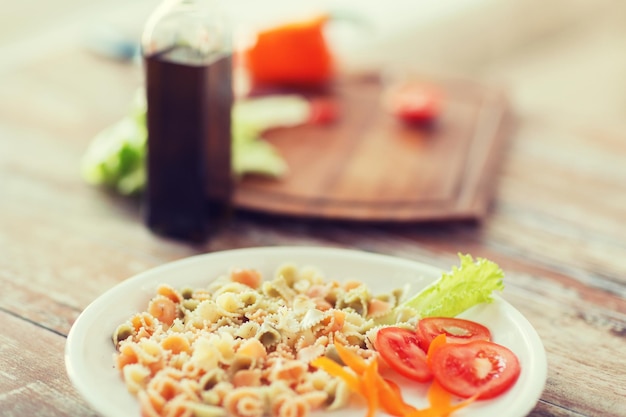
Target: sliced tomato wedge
<point>400,349</point>
<point>323,111</point>
<point>413,102</point>
<point>456,330</point>
<point>480,368</point>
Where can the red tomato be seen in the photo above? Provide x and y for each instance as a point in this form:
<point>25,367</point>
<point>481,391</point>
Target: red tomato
<point>323,111</point>
<point>400,349</point>
<point>479,367</point>
<point>456,330</point>
<point>413,102</point>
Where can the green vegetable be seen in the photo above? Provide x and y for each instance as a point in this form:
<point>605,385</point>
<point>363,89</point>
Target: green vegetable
<point>251,118</point>
<point>116,156</point>
<point>472,283</point>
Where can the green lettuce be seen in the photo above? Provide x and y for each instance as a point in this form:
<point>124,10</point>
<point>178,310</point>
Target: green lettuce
<point>115,158</point>
<point>472,283</point>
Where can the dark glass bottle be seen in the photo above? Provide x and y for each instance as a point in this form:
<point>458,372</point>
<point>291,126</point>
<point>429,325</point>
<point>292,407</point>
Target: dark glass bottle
<point>188,65</point>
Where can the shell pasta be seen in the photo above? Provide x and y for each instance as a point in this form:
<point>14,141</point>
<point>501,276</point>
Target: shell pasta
<point>242,345</point>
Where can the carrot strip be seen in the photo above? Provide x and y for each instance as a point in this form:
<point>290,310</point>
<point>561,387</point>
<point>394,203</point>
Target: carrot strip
<point>440,399</point>
<point>370,387</point>
<point>388,393</point>
<point>385,394</point>
<point>440,402</point>
<point>437,342</point>
<point>390,398</point>
<point>393,387</point>
<point>334,369</point>
<point>351,359</point>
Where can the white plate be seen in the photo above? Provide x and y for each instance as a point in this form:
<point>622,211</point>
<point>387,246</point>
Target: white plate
<point>89,351</point>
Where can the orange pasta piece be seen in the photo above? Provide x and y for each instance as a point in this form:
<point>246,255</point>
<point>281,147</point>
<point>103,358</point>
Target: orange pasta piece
<point>142,320</point>
<point>168,388</point>
<point>247,378</point>
<point>126,356</point>
<point>163,309</point>
<point>248,277</point>
<point>169,292</point>
<point>150,403</point>
<point>176,407</point>
<point>322,304</point>
<point>317,291</point>
<point>377,307</point>
<point>156,366</point>
<point>338,319</point>
<point>350,285</point>
<point>252,348</point>
<point>176,343</point>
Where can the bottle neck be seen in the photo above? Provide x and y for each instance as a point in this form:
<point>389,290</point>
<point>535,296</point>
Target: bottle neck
<point>193,25</point>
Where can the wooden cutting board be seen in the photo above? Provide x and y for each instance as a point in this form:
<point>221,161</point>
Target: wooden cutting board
<point>369,166</point>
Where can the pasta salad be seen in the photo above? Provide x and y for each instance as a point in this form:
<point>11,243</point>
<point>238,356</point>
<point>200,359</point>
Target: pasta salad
<point>243,345</point>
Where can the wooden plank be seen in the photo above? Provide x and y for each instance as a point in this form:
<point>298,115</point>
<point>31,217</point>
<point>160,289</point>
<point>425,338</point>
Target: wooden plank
<point>59,254</point>
<point>33,381</point>
<point>545,409</point>
<point>63,243</point>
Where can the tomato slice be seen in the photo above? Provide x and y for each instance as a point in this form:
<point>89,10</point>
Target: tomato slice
<point>323,111</point>
<point>413,102</point>
<point>400,349</point>
<point>481,368</point>
<point>456,330</point>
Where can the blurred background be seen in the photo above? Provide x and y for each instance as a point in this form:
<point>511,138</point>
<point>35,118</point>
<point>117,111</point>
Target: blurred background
<point>563,57</point>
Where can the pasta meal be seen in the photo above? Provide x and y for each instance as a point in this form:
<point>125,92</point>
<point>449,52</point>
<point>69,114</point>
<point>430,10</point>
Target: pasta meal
<point>243,345</point>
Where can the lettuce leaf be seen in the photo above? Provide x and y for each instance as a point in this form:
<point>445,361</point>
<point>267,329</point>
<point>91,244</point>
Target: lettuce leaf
<point>115,158</point>
<point>472,283</point>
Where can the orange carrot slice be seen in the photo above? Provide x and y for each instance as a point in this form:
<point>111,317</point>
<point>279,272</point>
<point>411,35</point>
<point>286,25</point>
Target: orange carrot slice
<point>334,369</point>
<point>385,394</point>
<point>351,359</point>
<point>441,400</point>
<point>390,398</point>
<point>437,342</point>
<point>388,394</point>
<point>370,386</point>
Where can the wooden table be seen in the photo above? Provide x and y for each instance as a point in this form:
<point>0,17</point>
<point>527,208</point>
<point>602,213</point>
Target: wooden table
<point>557,226</point>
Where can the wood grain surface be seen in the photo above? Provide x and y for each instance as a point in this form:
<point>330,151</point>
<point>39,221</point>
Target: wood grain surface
<point>556,225</point>
<point>369,166</point>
